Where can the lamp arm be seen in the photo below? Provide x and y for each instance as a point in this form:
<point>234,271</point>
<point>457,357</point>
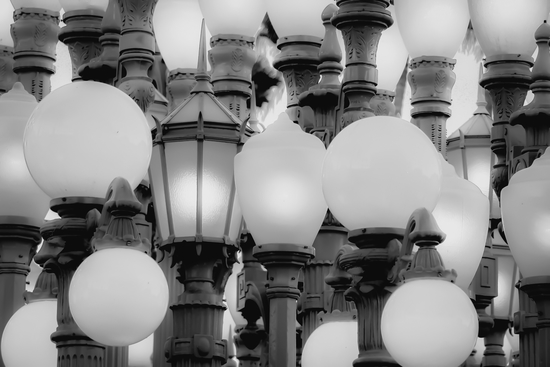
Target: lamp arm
<point>421,230</point>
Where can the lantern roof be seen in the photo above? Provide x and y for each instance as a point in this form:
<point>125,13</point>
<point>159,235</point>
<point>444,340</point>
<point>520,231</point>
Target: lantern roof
<point>202,115</point>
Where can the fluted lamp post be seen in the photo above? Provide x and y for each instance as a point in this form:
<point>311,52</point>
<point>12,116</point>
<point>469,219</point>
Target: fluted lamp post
<point>278,182</point>
<point>432,31</point>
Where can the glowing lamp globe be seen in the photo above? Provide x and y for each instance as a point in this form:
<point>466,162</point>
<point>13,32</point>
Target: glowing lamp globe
<point>220,16</point>
<point>21,197</point>
<point>391,56</point>
<point>432,27</point>
<point>51,5</point>
<point>525,216</point>
<point>278,179</point>
<point>462,213</point>
<point>82,136</point>
<point>303,20</point>
<point>378,170</point>
<point>118,296</point>
<point>507,26</point>
<point>429,322</point>
<point>6,19</point>
<point>26,338</point>
<point>71,5</point>
<point>177,25</point>
<point>333,344</point>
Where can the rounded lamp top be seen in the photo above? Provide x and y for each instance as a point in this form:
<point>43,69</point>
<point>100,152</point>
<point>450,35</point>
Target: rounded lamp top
<point>507,26</point>
<point>297,18</point>
<point>177,25</point>
<point>432,27</point>
<point>378,170</point>
<point>242,17</point>
<point>83,135</point>
<point>51,5</point>
<point>71,5</point>
<point>278,180</point>
<point>462,213</point>
<point>6,19</point>
<point>525,215</point>
<point>21,197</point>
<point>323,349</point>
<point>21,348</point>
<point>391,56</point>
<point>429,322</point>
<point>118,296</point>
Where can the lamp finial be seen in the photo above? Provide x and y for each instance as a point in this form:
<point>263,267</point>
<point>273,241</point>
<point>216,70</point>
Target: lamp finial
<point>202,77</point>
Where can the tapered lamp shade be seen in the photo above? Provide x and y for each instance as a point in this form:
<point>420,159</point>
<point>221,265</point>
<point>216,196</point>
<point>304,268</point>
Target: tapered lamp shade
<point>429,323</point>
<point>177,25</point>
<point>6,19</point>
<point>118,296</point>
<point>333,344</point>
<point>242,17</point>
<point>278,178</point>
<point>22,199</point>
<point>525,214</point>
<point>51,5</point>
<point>391,56</point>
<point>378,170</point>
<point>71,5</point>
<point>432,27</point>
<point>82,136</point>
<point>462,213</point>
<point>295,18</point>
<point>26,338</point>
<point>507,26</point>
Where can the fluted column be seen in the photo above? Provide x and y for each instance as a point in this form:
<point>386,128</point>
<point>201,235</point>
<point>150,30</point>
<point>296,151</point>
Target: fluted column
<point>34,34</point>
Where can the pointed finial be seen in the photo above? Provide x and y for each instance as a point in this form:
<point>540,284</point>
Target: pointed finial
<point>541,71</point>
<point>481,101</point>
<point>202,77</point>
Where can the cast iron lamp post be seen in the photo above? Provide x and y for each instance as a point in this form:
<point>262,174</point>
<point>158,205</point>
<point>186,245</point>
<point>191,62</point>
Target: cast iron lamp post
<point>278,179</point>
<point>432,31</point>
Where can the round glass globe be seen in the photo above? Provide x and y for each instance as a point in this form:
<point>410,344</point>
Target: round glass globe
<point>462,213</point>
<point>333,344</point>
<point>391,56</point>
<point>429,323</point>
<point>507,26</point>
<point>71,5</point>
<point>6,19</point>
<point>118,296</point>
<point>378,170</point>
<point>278,180</point>
<point>26,338</point>
<point>525,202</point>
<point>220,16</point>
<point>303,20</point>
<point>82,136</point>
<point>432,27</point>
<point>177,26</point>
<point>51,5</point>
<point>21,197</point>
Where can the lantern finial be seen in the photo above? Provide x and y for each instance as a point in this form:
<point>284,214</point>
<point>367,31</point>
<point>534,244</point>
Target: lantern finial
<point>202,77</point>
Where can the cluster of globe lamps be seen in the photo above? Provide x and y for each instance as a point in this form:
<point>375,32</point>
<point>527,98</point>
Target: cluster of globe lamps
<point>375,174</point>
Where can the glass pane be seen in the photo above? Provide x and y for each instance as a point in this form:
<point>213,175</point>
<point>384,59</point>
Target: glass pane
<point>157,187</point>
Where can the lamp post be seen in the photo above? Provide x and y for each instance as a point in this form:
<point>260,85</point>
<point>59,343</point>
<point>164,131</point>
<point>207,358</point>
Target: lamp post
<point>361,23</point>
<point>283,207</point>
<point>232,54</point>
<point>35,33</point>
<point>82,31</point>
<point>432,32</point>
<point>300,34</point>
<point>7,76</point>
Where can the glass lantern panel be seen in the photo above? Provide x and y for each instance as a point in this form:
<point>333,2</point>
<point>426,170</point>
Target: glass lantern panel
<point>157,177</point>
